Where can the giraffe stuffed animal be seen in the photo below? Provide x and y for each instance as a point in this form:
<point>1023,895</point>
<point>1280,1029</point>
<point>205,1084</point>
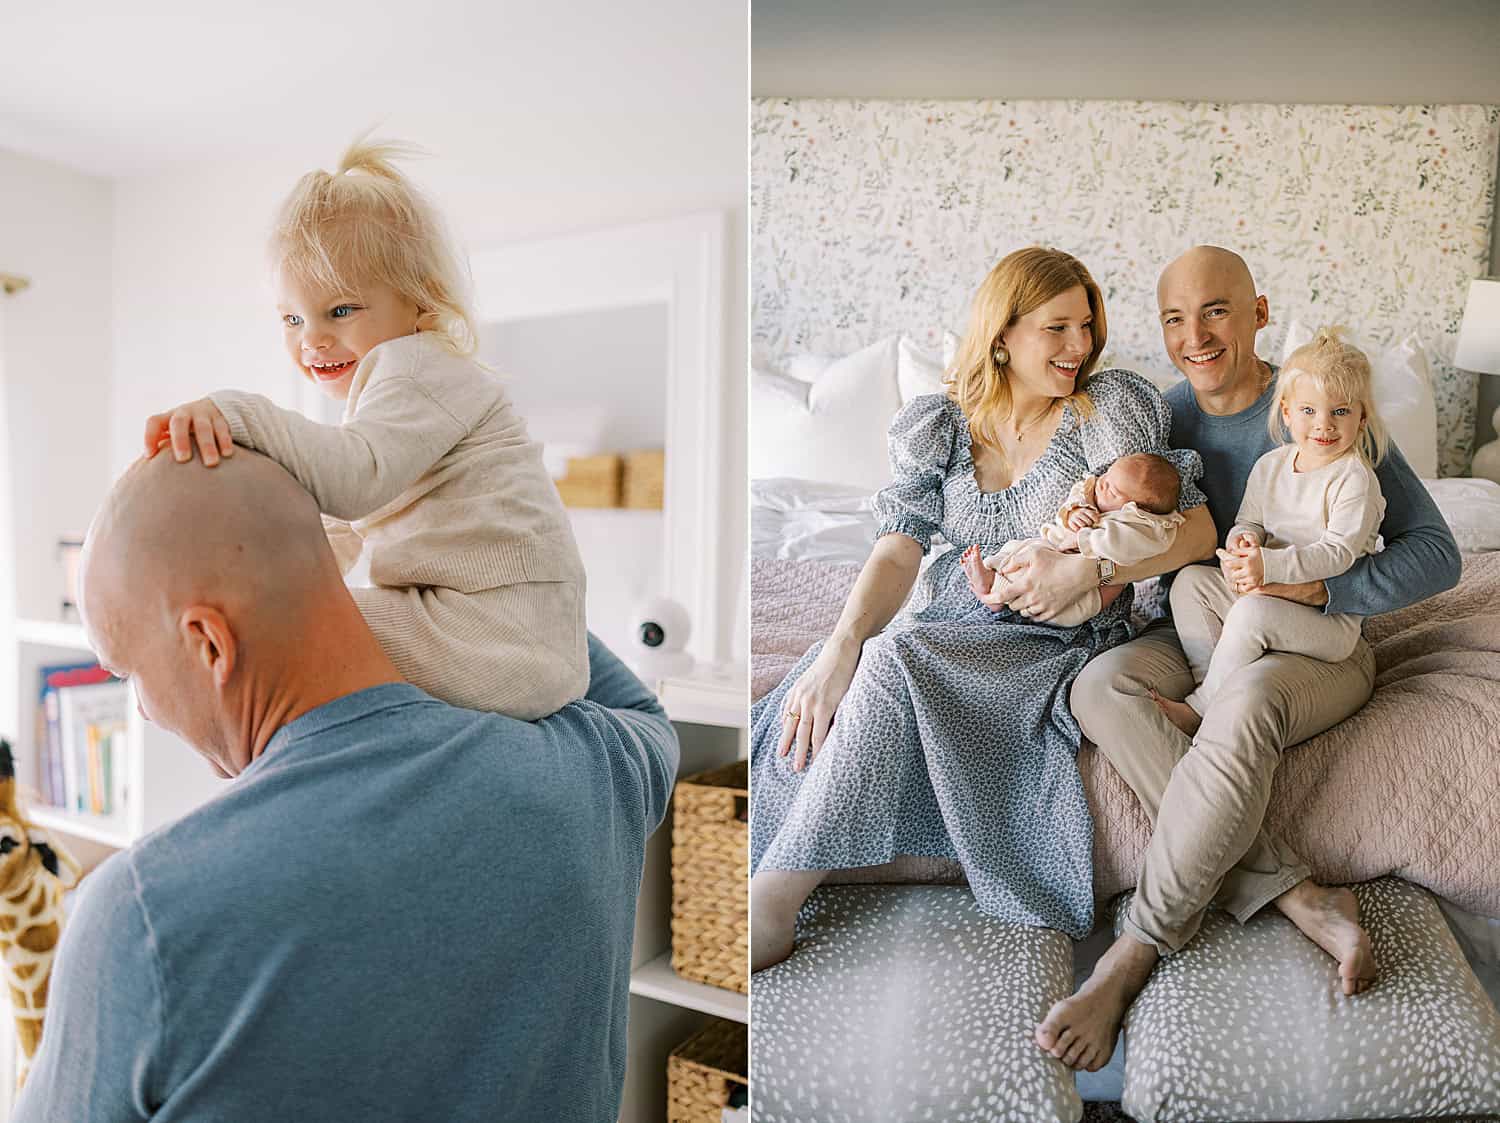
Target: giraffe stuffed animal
<point>34,872</point>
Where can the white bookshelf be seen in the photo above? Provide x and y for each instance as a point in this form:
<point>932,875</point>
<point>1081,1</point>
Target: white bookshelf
<point>656,979</point>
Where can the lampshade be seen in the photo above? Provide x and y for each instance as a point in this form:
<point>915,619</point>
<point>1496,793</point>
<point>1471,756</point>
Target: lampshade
<point>1479,336</point>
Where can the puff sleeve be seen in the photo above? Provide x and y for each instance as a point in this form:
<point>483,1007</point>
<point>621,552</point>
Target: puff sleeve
<point>1130,415</point>
<point>922,440</point>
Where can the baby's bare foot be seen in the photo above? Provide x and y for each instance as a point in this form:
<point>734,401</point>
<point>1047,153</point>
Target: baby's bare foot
<point>1330,919</point>
<point>1081,1030</point>
<point>981,577</point>
<point>1180,714</point>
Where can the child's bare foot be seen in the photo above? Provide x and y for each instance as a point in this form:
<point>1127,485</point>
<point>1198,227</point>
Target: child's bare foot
<point>1081,1030</point>
<point>1180,714</point>
<point>981,577</point>
<point>1330,919</point>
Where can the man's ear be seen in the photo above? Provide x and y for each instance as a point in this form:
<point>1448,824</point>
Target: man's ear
<point>210,641</point>
<point>1262,312</point>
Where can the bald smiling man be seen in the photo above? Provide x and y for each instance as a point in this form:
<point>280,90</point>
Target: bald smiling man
<point>1207,796</point>
<point>399,909</point>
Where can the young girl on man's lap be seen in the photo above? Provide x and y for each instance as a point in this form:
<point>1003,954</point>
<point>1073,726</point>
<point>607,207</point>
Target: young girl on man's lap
<point>477,586</point>
<point>1311,508</point>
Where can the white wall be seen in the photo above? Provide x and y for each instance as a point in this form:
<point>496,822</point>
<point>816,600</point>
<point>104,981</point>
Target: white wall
<point>55,228</point>
<point>1376,52</point>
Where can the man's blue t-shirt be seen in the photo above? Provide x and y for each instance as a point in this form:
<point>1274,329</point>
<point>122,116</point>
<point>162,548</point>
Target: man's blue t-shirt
<point>401,910</point>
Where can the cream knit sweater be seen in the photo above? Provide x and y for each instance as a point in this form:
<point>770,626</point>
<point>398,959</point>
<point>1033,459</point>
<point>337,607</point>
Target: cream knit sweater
<point>431,469</point>
<point>478,589</point>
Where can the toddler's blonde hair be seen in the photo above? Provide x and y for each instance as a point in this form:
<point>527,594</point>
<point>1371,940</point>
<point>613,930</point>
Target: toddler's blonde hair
<point>1342,371</point>
<point>368,222</point>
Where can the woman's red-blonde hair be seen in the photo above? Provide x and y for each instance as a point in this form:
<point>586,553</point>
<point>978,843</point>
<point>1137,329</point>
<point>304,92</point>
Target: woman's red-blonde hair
<point>1022,282</point>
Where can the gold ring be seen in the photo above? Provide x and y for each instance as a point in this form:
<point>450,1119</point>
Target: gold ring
<point>793,714</point>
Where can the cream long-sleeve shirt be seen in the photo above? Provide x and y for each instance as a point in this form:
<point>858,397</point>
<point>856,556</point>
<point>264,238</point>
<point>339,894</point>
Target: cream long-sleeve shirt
<point>431,468</point>
<point>1312,525</point>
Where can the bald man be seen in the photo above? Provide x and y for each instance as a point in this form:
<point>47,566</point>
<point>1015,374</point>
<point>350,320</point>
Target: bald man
<point>1207,797</point>
<point>398,910</point>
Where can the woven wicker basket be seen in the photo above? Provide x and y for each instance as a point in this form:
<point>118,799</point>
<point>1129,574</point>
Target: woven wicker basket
<point>711,878</point>
<point>704,1069</point>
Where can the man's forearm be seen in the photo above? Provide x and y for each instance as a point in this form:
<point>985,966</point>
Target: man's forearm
<point>1194,542</point>
<point>1411,569</point>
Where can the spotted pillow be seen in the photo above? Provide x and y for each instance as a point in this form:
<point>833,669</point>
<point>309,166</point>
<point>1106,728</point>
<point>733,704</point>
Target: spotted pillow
<point>907,1003</point>
<point>1249,1023</point>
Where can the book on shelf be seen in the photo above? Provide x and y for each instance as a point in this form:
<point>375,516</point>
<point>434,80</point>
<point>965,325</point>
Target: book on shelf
<point>81,739</point>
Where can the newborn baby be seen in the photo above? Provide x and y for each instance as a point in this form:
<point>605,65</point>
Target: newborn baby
<point>1127,515</point>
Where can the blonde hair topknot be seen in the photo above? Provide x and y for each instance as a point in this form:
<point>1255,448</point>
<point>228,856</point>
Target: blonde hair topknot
<point>368,223</point>
<point>1342,371</point>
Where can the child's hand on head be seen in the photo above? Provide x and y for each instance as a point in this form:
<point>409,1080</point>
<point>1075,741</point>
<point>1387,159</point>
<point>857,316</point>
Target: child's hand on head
<point>177,429</point>
<point>1080,517</point>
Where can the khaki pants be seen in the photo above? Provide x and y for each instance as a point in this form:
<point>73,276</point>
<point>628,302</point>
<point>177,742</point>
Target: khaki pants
<point>1207,798</point>
<point>1221,633</point>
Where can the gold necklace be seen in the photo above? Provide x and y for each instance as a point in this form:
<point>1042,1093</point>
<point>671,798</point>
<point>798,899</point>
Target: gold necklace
<point>1022,430</point>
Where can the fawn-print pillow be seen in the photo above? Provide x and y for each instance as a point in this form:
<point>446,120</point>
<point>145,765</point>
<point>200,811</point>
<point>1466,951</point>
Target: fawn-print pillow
<point>907,1003</point>
<point>1249,1023</point>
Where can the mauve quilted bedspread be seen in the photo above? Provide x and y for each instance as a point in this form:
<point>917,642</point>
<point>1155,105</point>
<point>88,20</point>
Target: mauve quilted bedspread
<point>1410,785</point>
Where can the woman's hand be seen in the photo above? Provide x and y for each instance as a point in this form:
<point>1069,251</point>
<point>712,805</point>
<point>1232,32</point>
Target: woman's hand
<point>808,708</point>
<point>1043,582</point>
<point>178,428</point>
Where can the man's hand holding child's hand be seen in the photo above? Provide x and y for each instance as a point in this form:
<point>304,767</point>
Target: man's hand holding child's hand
<point>177,428</point>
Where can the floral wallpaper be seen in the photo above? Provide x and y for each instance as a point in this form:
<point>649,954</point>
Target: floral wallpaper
<point>870,218</point>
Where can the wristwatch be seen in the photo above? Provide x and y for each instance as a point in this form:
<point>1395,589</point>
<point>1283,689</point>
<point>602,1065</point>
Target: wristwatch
<point>1106,571</point>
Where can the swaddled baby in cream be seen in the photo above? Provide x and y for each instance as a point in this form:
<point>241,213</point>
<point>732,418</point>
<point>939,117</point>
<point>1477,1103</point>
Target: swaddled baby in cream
<point>1126,515</point>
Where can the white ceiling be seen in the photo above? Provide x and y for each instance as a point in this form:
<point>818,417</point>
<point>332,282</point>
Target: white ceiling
<point>591,88</point>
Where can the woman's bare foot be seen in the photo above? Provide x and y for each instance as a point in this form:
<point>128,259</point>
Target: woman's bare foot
<point>1180,714</point>
<point>981,577</point>
<point>776,897</point>
<point>1330,919</point>
<point>1081,1031</point>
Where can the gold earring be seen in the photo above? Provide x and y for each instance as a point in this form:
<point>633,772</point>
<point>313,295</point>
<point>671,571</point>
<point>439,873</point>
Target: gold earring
<point>1002,356</point>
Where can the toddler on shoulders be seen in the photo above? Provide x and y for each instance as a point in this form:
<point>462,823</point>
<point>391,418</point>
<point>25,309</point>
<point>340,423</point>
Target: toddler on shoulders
<point>477,589</point>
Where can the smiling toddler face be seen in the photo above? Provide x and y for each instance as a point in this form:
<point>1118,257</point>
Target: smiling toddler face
<point>327,331</point>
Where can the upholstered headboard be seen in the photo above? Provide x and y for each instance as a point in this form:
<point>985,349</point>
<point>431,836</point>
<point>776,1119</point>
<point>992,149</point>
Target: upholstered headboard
<point>876,217</point>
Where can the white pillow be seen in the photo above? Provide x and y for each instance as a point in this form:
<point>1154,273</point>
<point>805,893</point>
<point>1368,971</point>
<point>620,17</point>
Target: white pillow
<point>1471,507</point>
<point>1403,394</point>
<point>919,370</point>
<point>831,429</point>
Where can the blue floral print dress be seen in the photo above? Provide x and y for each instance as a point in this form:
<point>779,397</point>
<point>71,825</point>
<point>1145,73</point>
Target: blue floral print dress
<point>955,739</point>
